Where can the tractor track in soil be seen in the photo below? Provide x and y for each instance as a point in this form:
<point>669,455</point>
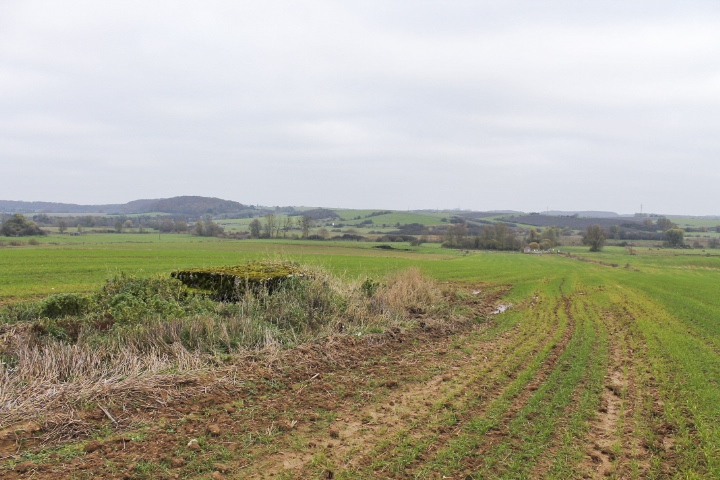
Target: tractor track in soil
<point>345,406</point>
<point>615,444</point>
<point>500,432</point>
<point>465,391</point>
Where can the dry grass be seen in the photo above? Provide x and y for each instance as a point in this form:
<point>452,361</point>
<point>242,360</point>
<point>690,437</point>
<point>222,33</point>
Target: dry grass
<point>47,380</point>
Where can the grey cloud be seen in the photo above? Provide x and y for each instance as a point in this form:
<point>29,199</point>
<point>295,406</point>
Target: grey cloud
<point>397,104</point>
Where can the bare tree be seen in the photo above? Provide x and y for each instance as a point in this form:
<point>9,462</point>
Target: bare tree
<point>287,225</point>
<point>270,225</point>
<point>255,228</point>
<point>305,223</point>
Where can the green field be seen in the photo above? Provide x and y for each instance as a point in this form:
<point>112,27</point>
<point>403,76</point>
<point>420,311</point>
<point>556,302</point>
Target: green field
<point>62,263</point>
<point>594,370</point>
<point>349,219</point>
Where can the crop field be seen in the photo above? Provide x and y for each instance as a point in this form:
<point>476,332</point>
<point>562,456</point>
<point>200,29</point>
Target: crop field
<point>63,263</point>
<point>542,366</point>
<point>393,218</point>
<point>350,219</point>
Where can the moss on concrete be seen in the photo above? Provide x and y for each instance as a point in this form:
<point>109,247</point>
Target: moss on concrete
<point>230,282</point>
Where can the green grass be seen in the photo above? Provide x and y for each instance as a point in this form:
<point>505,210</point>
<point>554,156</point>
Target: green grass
<point>391,219</point>
<point>665,304</point>
<point>80,264</point>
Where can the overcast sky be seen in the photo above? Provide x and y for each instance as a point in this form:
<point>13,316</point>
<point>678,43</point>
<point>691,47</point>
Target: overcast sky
<point>406,104</point>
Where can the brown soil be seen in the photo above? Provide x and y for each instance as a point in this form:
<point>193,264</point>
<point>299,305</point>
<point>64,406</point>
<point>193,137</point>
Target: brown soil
<point>337,393</point>
<point>608,443</point>
<point>615,445</point>
<point>344,403</point>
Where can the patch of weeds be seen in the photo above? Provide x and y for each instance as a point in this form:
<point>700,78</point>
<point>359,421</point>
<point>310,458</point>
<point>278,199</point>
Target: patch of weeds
<point>111,468</point>
<point>371,330</point>
<point>319,460</point>
<point>103,432</point>
<point>286,476</point>
<point>222,454</point>
<point>460,295</point>
<point>251,388</point>
<point>145,469</point>
<point>247,439</point>
<point>141,431</point>
<point>325,418</point>
<point>262,438</point>
<point>450,419</point>
<point>138,437</point>
<point>199,465</point>
<point>64,453</point>
<point>35,457</point>
<point>298,442</point>
<point>340,390</point>
<point>273,384</point>
<point>369,287</point>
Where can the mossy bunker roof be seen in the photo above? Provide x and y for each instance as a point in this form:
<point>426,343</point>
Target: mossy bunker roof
<point>229,282</point>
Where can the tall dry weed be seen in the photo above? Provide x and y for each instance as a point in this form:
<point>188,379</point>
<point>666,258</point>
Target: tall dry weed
<point>48,376</point>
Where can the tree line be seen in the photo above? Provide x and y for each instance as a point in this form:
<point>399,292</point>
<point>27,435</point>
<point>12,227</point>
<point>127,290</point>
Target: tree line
<point>595,235</point>
<point>275,227</point>
<point>499,236</point>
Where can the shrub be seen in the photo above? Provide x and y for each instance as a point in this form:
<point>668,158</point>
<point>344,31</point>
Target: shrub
<point>129,299</point>
<point>19,226</point>
<point>20,312</point>
<point>369,287</point>
<point>65,304</point>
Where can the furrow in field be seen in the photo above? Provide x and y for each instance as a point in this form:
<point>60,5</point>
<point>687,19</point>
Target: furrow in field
<point>451,414</point>
<point>613,439</point>
<point>415,414</point>
<point>660,427</point>
<point>492,438</point>
<point>422,414</point>
<point>609,441</point>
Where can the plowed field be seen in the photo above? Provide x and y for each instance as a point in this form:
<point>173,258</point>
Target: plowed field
<point>582,376</point>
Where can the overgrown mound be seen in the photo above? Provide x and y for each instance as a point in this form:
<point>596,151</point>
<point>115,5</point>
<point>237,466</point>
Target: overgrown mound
<point>230,283</point>
<point>122,300</point>
<point>133,332</point>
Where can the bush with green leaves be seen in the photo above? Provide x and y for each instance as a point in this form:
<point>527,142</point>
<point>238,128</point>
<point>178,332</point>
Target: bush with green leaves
<point>19,226</point>
<point>65,304</point>
<point>160,315</point>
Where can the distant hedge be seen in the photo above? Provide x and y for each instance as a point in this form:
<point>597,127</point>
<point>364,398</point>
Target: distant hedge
<point>230,282</point>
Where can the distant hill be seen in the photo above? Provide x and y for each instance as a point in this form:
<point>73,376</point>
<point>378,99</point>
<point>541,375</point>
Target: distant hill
<point>12,206</point>
<point>571,221</point>
<point>318,213</point>
<point>586,213</point>
<point>185,205</point>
